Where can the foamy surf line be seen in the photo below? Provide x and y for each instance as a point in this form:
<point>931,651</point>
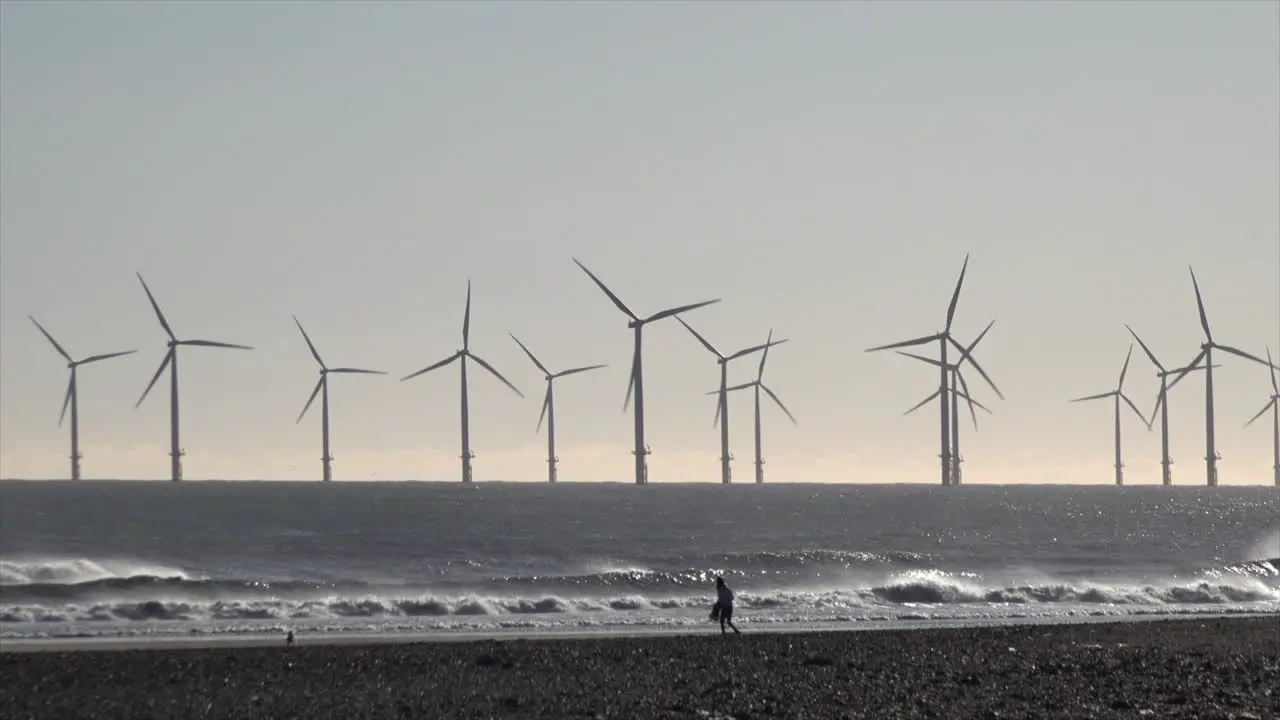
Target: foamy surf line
<point>276,639</point>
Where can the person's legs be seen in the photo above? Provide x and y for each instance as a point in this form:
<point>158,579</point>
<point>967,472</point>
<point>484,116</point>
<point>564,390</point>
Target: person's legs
<point>726,617</point>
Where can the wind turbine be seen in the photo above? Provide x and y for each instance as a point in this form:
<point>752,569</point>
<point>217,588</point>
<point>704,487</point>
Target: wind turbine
<point>323,386</point>
<point>171,361</point>
<point>72,398</point>
<point>957,382</point>
<point>943,338</point>
<point>464,354</point>
<point>549,405</point>
<point>636,383</point>
<point>722,408</point>
<point>1119,395</point>
<point>1162,405</point>
<point>1211,456</point>
<point>1274,406</point>
<point>757,385</point>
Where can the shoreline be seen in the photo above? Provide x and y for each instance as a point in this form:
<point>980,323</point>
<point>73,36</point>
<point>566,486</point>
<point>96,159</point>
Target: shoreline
<point>1168,668</point>
<point>267,639</point>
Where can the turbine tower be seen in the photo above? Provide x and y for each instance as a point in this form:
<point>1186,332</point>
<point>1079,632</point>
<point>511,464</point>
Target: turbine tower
<point>1119,395</point>
<point>1162,405</point>
<point>464,354</point>
<point>72,398</point>
<point>1274,406</point>
<point>322,386</point>
<point>170,361</point>
<point>636,383</point>
<point>722,408</point>
<point>957,382</point>
<point>549,405</point>
<point>1211,456</point>
<point>943,338</point>
<point>757,385</point>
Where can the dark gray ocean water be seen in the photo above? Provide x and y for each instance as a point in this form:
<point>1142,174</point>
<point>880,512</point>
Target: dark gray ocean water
<point>154,559</point>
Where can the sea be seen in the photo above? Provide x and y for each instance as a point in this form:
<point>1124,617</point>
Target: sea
<point>158,560</point>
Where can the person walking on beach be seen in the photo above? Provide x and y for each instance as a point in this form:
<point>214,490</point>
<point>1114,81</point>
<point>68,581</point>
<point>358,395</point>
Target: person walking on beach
<point>724,606</point>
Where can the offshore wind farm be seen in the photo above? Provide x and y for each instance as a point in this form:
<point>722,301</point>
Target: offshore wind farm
<point>952,388</point>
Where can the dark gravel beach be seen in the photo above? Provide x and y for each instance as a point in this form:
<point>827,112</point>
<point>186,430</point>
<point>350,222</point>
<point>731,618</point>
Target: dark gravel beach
<point>1214,668</point>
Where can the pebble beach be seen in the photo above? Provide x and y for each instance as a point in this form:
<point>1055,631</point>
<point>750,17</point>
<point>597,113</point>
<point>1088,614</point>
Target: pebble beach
<point>1198,668</point>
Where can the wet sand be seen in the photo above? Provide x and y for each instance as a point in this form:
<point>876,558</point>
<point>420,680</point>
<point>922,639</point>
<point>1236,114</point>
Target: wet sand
<point>1197,668</point>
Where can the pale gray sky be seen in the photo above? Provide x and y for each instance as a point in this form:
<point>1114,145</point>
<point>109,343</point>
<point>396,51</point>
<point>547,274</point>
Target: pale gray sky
<point>822,167</point>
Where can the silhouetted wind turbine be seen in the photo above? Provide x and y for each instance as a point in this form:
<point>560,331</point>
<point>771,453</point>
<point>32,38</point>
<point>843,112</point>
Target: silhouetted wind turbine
<point>943,338</point>
<point>757,385</point>
<point>1119,395</point>
<point>1274,406</point>
<point>957,382</point>
<point>1211,456</point>
<point>1162,405</point>
<point>322,386</point>
<point>722,408</point>
<point>549,405</point>
<point>463,355</point>
<point>72,398</point>
<point>171,361</point>
<point>636,382</point>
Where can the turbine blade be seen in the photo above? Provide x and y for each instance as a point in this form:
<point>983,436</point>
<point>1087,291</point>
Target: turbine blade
<point>466,319</point>
<point>769,392</point>
<point>923,402</point>
<point>921,358</point>
<point>575,371</point>
<point>678,310</point>
<point>1190,366</point>
<point>1155,410</point>
<point>955,297</point>
<point>710,348</point>
<point>764,356</point>
<point>357,371</point>
<point>108,356</point>
<point>976,404</point>
<point>631,383</point>
<point>71,385</point>
<point>314,353</point>
<point>210,343</point>
<point>756,348</point>
<point>56,346</point>
<point>906,343</point>
<point>1243,354</point>
<point>1150,355</point>
<point>731,388</point>
<point>1274,385</point>
<point>480,361</point>
<point>964,355</point>
<point>616,301</point>
<point>964,393</point>
<point>314,393</point>
<point>429,368</point>
<point>981,335</point>
<point>719,407</point>
<point>546,402</point>
<point>1261,412</point>
<point>1204,321</point>
<point>1099,396</point>
<point>1135,409</point>
<point>156,306</point>
<point>1124,370</point>
<point>168,357</point>
<point>541,367</point>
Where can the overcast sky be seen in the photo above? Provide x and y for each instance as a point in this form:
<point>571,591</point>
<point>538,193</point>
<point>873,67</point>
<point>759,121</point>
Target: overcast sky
<point>822,167</point>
